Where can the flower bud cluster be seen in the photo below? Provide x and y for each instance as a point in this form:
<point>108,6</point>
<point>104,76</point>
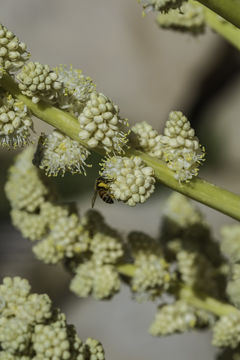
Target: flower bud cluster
<point>177,317</point>
<point>161,5</point>
<point>101,124</point>
<point>181,149</point>
<point>15,122</point>
<point>31,329</point>
<point>57,153</point>
<point>13,52</point>
<point>131,181</point>
<point>148,139</point>
<point>226,332</point>
<point>76,89</point>
<point>189,18</point>
<point>24,188</point>
<point>152,273</point>
<point>39,82</point>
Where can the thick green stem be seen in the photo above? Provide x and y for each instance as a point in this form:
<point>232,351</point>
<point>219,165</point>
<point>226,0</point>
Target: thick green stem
<point>228,9</point>
<point>227,30</point>
<point>205,302</point>
<point>198,300</point>
<point>198,189</point>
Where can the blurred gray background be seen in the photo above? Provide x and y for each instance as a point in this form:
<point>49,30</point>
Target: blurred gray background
<point>147,72</point>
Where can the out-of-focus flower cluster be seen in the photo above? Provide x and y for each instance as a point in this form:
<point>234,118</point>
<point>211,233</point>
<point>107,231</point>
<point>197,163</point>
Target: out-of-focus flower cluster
<point>178,15</point>
<point>30,328</point>
<point>183,256</point>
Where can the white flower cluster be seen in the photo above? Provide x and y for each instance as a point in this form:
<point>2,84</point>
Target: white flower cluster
<point>100,281</point>
<point>176,317</point>
<point>101,124</point>
<point>226,332</point>
<point>39,81</point>
<point>189,17</point>
<point>148,139</point>
<point>233,285</point>
<point>24,189</point>
<point>161,5</point>
<point>76,91</point>
<point>15,122</point>
<point>31,329</point>
<point>57,153</point>
<point>13,52</point>
<point>181,149</point>
<point>131,181</point>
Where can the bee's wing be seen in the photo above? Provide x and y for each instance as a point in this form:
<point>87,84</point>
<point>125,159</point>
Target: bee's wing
<point>94,197</point>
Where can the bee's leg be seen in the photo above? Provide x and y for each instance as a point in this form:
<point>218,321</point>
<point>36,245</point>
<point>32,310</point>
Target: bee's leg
<point>94,198</point>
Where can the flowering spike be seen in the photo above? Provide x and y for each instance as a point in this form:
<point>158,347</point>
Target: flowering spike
<point>148,139</point>
<point>13,52</point>
<point>15,122</point>
<point>76,89</point>
<point>181,149</point>
<point>101,124</point>
<point>57,153</point>
<point>132,181</point>
<point>39,82</point>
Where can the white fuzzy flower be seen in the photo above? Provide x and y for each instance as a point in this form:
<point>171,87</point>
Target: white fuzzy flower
<point>15,122</point>
<point>76,89</point>
<point>132,181</point>
<point>161,5</point>
<point>101,124</point>
<point>39,81</point>
<point>57,153</point>
<point>13,52</point>
<point>181,148</point>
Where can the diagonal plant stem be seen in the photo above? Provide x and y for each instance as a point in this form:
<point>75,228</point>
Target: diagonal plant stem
<point>228,9</point>
<point>198,300</point>
<point>198,189</point>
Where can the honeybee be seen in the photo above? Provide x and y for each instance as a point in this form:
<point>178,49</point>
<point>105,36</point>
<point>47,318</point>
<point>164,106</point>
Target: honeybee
<point>102,189</point>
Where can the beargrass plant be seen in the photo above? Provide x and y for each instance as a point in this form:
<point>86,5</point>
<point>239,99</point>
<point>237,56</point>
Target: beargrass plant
<point>195,278</point>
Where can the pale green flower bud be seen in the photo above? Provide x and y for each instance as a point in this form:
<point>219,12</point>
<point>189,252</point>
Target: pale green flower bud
<point>131,180</point>
<point>76,91</point>
<point>24,189</point>
<point>15,122</point>
<point>230,244</point>
<point>57,153</point>
<point>101,124</point>
<point>189,18</point>
<point>39,82</point>
<point>181,149</point>
<point>226,332</point>
<point>161,5</point>
<point>13,52</point>
<point>148,139</point>
<point>177,317</point>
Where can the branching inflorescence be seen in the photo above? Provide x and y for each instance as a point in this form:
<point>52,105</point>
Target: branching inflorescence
<point>183,265</point>
<point>31,328</point>
<point>184,268</point>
